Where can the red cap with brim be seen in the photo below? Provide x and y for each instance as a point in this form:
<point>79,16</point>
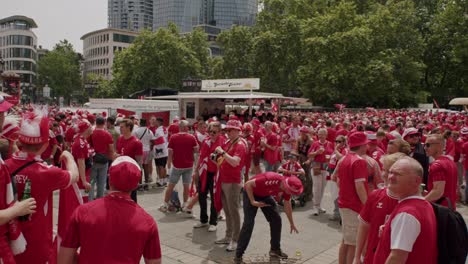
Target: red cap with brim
<point>357,139</point>
<point>293,185</point>
<point>234,124</point>
<point>124,174</point>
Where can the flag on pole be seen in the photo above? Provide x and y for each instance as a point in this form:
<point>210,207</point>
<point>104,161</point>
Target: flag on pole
<point>435,103</point>
<point>340,107</point>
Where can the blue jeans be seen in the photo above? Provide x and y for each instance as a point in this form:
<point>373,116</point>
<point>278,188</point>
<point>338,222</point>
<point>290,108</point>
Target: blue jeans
<point>99,178</point>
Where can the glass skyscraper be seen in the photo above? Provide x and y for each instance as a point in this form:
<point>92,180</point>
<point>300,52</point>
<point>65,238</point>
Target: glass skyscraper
<point>187,14</point>
<point>134,15</point>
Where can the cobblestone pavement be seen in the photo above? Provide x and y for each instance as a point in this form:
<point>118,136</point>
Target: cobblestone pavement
<point>317,241</point>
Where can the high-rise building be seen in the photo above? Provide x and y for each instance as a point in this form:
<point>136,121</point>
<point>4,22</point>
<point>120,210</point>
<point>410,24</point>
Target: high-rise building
<point>187,14</point>
<point>18,48</point>
<point>134,15</point>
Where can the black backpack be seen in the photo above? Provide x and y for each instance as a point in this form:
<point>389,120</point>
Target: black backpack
<point>452,234</point>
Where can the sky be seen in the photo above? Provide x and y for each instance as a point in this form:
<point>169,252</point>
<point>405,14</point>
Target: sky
<point>59,19</point>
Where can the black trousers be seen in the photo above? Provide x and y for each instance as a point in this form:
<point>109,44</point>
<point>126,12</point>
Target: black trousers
<point>271,214</point>
<point>202,200</point>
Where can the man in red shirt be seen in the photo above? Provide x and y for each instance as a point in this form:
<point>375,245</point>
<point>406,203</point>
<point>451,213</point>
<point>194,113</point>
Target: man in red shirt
<point>442,180</point>
<point>182,147</point>
<point>352,182</point>
<point>129,145</point>
<point>104,232</point>
<point>256,146</point>
<point>258,193</point>
<point>270,143</point>
<point>43,180</point>
<point>232,157</point>
<point>82,152</point>
<point>103,144</point>
<point>410,234</point>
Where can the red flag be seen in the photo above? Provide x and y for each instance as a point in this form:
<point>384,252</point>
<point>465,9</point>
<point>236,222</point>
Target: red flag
<point>435,103</point>
<point>274,107</point>
<point>124,112</point>
<point>340,107</point>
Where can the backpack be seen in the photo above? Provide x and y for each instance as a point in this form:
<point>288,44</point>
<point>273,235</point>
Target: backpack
<point>452,234</point>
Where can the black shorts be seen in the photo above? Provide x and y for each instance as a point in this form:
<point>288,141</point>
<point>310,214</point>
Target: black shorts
<point>161,162</point>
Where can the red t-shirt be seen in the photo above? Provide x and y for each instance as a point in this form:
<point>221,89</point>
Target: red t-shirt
<point>228,173</point>
<point>425,247</point>
<point>101,139</point>
<point>377,156</point>
<point>328,150</point>
<point>44,180</point>
<point>271,156</point>
<point>52,141</point>
<point>256,148</point>
<point>182,145</point>
<point>444,169</point>
<point>352,169</point>
<point>207,148</point>
<point>331,135</point>
<point>104,233</point>
<point>82,150</point>
<point>465,155</point>
<point>172,129</point>
<point>379,206</point>
<point>70,134</point>
<point>293,166</point>
<point>268,184</point>
<point>131,147</point>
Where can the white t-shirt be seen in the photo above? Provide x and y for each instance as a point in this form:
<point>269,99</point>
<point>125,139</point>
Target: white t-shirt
<point>160,143</point>
<point>145,136</point>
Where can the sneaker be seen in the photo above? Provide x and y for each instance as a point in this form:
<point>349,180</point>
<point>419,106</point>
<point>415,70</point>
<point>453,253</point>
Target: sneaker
<point>212,228</point>
<point>221,217</point>
<point>322,211</point>
<point>164,208</point>
<point>187,212</point>
<point>200,225</point>
<point>238,260</point>
<point>232,246</point>
<point>315,211</point>
<point>223,241</point>
<point>146,188</point>
<point>159,185</point>
<point>278,254</point>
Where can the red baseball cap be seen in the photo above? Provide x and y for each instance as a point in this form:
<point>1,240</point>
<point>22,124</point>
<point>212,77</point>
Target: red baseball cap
<point>357,139</point>
<point>124,174</point>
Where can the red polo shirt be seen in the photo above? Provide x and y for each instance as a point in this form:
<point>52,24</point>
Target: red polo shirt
<point>352,169</point>
<point>228,173</point>
<point>182,145</point>
<point>444,169</point>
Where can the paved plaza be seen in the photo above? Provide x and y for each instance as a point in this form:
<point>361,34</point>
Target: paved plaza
<point>317,242</point>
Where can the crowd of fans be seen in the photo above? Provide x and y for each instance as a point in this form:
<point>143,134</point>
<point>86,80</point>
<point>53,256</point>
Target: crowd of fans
<point>383,167</point>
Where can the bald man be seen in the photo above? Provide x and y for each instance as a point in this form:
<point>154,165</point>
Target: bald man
<point>410,234</point>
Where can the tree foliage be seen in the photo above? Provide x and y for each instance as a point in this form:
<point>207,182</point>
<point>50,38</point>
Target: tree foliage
<point>60,70</point>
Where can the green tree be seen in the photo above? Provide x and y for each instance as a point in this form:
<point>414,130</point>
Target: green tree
<point>60,70</point>
<point>155,59</point>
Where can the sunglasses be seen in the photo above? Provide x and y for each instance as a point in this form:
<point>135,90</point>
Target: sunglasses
<point>413,136</point>
<point>428,145</point>
<point>338,141</point>
<point>391,142</point>
<point>213,132</point>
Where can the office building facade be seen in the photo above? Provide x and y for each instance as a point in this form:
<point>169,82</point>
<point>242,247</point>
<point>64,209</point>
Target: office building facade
<point>133,15</point>
<point>100,47</point>
<point>18,48</point>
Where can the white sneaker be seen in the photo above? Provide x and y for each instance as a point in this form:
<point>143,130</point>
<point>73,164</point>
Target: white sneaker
<point>164,207</point>
<point>232,246</point>
<point>315,211</point>
<point>187,212</point>
<point>212,228</point>
<point>322,211</point>
<point>221,217</point>
<point>199,225</point>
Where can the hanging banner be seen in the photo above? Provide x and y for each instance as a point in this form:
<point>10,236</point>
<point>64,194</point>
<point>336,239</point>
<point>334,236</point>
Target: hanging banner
<point>231,84</point>
<point>126,113</point>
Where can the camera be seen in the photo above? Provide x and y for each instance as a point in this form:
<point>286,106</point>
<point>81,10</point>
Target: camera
<point>214,156</point>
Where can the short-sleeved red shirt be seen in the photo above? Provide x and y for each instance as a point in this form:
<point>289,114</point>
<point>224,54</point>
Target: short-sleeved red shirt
<point>269,183</point>
<point>101,139</point>
<point>352,169</point>
<point>131,147</point>
<point>464,151</point>
<point>444,169</point>
<point>52,141</point>
<point>293,166</point>
<point>106,233</point>
<point>44,180</point>
<point>271,156</point>
<point>182,145</point>
<point>377,155</point>
<point>328,150</point>
<point>376,211</point>
<point>228,173</point>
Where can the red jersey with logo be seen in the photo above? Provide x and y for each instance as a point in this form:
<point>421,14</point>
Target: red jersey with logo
<point>293,166</point>
<point>44,180</point>
<point>82,150</point>
<point>271,155</point>
<point>207,148</point>
<point>328,150</point>
<point>101,139</point>
<point>444,169</point>
<point>352,169</point>
<point>131,147</point>
<point>268,184</point>
<point>182,145</point>
<point>377,155</point>
<point>424,249</point>
<point>228,173</point>
<point>104,236</point>
<point>378,208</point>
